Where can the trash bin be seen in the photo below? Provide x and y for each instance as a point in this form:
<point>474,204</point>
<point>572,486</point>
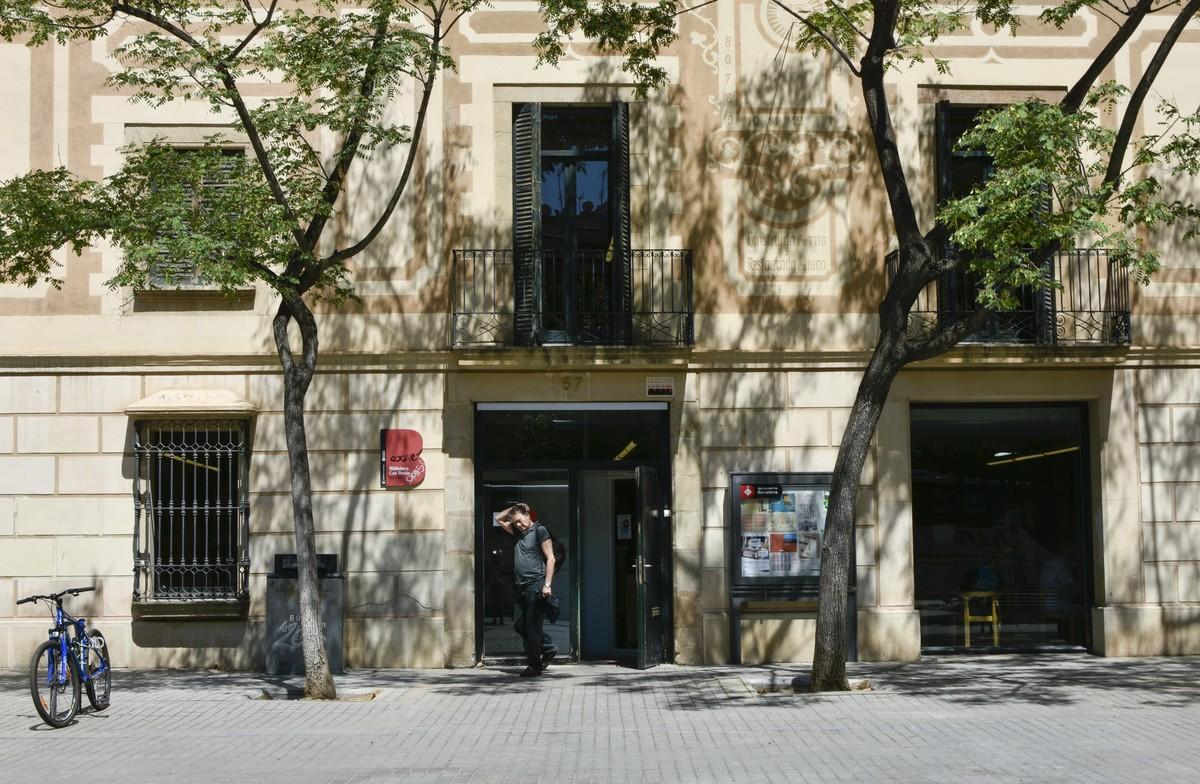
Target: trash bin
<point>285,652</point>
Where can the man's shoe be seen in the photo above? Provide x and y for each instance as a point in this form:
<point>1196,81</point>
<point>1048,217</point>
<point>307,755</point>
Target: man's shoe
<point>548,657</point>
<point>529,672</point>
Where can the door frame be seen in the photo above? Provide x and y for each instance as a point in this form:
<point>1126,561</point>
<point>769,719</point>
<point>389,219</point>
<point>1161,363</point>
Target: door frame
<point>573,468</point>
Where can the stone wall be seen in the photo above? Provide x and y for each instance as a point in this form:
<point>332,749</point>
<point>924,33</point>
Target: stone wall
<point>67,513</point>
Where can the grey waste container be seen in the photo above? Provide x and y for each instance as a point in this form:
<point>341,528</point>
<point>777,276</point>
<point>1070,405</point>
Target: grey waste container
<point>285,653</point>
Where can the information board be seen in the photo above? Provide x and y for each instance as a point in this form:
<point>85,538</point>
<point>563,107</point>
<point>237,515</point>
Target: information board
<point>778,526</point>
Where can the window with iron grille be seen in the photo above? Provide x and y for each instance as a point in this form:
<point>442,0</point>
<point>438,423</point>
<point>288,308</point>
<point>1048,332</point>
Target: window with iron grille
<point>191,511</point>
<point>182,273</point>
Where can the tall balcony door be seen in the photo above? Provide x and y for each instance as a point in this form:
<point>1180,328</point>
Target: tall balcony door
<point>571,224</point>
<point>958,171</point>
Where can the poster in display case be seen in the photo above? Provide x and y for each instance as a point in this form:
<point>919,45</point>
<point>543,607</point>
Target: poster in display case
<point>778,521</point>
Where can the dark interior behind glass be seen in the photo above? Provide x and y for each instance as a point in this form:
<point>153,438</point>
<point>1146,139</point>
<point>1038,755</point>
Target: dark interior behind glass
<point>999,525</point>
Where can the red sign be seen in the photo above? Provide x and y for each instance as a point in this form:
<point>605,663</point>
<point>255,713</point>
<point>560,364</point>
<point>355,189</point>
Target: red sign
<point>400,458</point>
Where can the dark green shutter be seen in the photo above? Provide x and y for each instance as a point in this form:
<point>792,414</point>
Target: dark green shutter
<point>943,144</point>
<point>527,200</point>
<point>947,290</point>
<point>622,253</point>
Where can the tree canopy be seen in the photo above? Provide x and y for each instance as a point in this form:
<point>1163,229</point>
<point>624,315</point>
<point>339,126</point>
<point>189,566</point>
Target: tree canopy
<point>336,70</point>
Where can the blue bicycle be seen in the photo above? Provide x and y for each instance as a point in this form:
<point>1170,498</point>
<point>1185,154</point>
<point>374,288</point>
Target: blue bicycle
<point>74,655</point>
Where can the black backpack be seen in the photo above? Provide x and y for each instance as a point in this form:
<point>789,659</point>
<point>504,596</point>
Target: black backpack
<point>560,551</point>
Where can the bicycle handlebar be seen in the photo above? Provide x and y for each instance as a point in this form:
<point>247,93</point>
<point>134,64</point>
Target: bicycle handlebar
<point>54,597</point>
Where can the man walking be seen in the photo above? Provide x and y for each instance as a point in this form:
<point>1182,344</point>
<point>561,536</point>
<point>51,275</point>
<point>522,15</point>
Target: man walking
<point>533,565</point>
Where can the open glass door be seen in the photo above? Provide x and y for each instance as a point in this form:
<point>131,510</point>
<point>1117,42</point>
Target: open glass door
<point>547,493</point>
<point>649,568</point>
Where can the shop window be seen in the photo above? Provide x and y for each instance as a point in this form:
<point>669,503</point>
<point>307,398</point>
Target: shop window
<point>1000,525</point>
<point>191,511</point>
<point>571,224</point>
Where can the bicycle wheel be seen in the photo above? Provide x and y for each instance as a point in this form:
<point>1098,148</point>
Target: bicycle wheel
<point>99,670</point>
<point>54,685</point>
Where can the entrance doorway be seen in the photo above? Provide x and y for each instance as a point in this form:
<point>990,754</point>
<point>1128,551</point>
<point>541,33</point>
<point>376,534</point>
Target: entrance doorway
<point>608,579</point>
<point>597,486</point>
<point>1000,537</point>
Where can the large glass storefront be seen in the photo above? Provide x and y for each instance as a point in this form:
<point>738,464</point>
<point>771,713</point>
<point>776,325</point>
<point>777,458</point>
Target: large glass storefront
<point>1000,543</point>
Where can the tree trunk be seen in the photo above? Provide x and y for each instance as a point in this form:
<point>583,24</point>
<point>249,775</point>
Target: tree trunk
<point>318,681</point>
<point>829,654</point>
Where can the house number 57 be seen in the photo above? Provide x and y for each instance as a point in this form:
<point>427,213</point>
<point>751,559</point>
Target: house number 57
<point>571,383</point>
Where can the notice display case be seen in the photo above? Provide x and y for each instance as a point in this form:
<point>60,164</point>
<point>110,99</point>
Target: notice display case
<point>776,529</point>
<point>777,522</point>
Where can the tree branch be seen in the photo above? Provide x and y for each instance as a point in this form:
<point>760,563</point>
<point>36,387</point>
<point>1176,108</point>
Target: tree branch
<point>828,40</point>
<point>260,152</point>
<point>420,10</point>
<point>258,28</point>
<point>349,150</point>
<point>851,24</point>
<point>1125,133</point>
<point>697,7</point>
<point>413,148</point>
<point>904,215</point>
<point>1078,92</point>
<point>945,339</point>
<point>454,21</point>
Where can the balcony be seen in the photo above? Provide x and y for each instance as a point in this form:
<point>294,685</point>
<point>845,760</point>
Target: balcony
<point>1090,307</point>
<point>571,298</point>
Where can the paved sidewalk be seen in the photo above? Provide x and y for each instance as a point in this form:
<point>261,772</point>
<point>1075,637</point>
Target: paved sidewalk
<point>994,719</point>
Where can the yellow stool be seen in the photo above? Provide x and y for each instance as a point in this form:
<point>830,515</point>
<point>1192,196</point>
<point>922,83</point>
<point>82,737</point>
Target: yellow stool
<point>993,618</point>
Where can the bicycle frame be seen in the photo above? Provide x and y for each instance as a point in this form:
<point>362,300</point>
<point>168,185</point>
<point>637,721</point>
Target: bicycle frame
<point>71,652</point>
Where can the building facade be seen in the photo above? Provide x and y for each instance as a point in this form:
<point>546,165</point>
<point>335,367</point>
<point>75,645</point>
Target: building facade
<point>589,295</point>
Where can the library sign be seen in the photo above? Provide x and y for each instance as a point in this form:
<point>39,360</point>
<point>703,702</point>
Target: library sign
<point>400,463</point>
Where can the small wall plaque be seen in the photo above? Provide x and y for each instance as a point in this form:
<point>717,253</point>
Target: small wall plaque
<point>660,386</point>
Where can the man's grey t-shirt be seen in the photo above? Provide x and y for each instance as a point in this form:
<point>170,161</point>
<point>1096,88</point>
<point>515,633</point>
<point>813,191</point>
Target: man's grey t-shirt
<point>528,562</point>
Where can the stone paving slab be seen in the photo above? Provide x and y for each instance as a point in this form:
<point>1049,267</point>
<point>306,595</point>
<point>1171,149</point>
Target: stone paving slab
<point>995,719</point>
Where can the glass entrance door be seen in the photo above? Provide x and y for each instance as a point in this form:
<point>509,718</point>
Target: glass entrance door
<point>547,493</point>
<point>585,468</point>
<point>650,526</point>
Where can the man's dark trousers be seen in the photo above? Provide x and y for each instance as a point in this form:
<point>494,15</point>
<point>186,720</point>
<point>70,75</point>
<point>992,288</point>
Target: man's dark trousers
<point>528,617</point>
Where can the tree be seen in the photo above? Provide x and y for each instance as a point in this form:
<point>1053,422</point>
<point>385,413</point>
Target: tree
<point>337,70</point>
<point>1064,152</point>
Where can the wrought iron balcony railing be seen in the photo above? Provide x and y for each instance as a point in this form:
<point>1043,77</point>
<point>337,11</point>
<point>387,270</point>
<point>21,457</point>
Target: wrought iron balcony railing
<point>547,297</point>
<point>1090,305</point>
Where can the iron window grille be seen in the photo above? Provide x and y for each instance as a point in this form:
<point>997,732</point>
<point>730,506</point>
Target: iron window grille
<point>191,511</point>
